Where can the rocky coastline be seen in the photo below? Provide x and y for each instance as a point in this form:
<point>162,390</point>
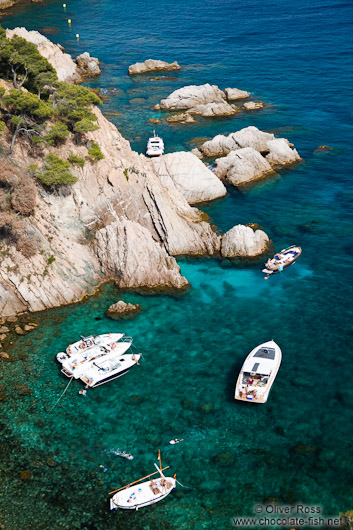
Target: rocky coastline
<point>126,217</point>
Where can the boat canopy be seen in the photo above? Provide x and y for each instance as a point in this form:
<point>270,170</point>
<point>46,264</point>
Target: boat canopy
<point>259,365</point>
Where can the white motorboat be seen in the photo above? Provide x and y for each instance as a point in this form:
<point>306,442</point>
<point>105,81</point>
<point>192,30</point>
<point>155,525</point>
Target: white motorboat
<point>258,373</point>
<point>103,359</point>
<point>137,495</point>
<point>155,146</point>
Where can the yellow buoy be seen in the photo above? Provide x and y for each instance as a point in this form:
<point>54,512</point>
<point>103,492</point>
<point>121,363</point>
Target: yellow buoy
<point>69,21</point>
<point>77,36</point>
<point>64,6</point>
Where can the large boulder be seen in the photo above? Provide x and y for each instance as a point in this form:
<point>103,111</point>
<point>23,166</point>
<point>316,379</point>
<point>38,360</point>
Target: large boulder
<point>88,66</point>
<point>190,176</point>
<point>151,65</point>
<point>232,94</point>
<point>242,166</point>
<point>250,136</point>
<point>63,63</point>
<point>281,154</point>
<point>190,96</point>
<point>243,241</point>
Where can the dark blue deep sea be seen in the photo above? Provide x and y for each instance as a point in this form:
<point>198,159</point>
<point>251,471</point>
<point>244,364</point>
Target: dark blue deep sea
<point>297,57</point>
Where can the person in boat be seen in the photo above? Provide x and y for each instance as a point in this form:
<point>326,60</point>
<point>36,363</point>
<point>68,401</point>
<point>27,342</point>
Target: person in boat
<point>134,359</point>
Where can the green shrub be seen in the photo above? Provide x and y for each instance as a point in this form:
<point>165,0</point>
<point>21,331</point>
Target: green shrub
<point>85,125</point>
<point>57,134</point>
<point>54,172</point>
<point>76,160</point>
<point>51,259</point>
<point>2,91</point>
<point>95,153</point>
<point>2,126</point>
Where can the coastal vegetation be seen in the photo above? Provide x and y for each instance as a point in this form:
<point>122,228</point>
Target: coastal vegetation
<point>94,152</point>
<point>54,172</point>
<point>39,107</point>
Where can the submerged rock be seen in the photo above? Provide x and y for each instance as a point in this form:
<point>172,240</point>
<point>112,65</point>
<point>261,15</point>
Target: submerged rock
<point>123,310</point>
<point>242,166</point>
<point>232,94</point>
<point>88,66</point>
<point>225,459</point>
<point>4,329</point>
<point>151,65</point>
<point>243,241</point>
<point>189,175</point>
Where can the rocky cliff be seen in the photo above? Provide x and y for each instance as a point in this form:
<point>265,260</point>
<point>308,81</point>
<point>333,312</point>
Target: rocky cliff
<point>124,219</point>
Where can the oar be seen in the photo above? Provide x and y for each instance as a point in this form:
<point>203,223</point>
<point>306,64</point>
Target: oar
<point>139,480</point>
<point>159,458</point>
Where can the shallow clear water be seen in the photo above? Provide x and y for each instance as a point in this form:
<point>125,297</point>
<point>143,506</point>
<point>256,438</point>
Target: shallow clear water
<point>296,448</point>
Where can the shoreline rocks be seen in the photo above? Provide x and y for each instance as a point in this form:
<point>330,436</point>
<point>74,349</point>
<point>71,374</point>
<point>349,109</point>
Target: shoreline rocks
<point>152,65</point>
<point>190,176</point>
<point>244,242</point>
<point>205,100</point>
<point>242,166</point>
<point>123,310</point>
<point>253,105</point>
<point>87,66</point>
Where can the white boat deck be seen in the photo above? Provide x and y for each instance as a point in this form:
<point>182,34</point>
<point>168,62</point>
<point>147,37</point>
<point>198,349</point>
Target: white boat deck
<point>143,494</point>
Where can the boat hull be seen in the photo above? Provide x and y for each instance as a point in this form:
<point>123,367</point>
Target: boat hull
<point>140,496</point>
<point>290,255</point>
<point>259,397</point>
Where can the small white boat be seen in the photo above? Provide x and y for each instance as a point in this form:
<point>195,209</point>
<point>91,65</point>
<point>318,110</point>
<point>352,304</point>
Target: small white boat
<point>103,359</point>
<point>137,495</point>
<point>258,373</point>
<point>176,441</point>
<point>155,146</point>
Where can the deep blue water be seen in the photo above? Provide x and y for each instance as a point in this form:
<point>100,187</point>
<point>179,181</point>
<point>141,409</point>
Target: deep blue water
<point>297,57</point>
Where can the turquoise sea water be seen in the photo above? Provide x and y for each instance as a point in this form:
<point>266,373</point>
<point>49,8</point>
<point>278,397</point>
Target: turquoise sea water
<point>298,447</point>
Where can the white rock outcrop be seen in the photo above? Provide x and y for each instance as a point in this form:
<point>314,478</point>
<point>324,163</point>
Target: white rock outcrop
<point>281,154</point>
<point>63,63</point>
<point>242,166</point>
<point>189,175</point>
<point>243,241</point>
<point>88,66</point>
<point>251,136</point>
<point>151,65</point>
<point>232,94</point>
<point>190,96</point>
<point>253,105</point>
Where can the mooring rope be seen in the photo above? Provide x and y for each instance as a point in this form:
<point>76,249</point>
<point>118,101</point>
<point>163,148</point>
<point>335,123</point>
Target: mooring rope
<point>180,484</point>
<point>57,401</point>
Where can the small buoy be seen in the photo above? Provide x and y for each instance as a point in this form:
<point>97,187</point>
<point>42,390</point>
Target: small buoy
<point>69,21</point>
<point>77,36</point>
<point>64,6</point>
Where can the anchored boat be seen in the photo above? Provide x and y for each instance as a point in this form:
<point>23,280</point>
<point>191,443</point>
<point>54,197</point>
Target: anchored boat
<point>137,495</point>
<point>98,359</point>
<point>258,373</point>
<point>281,260</point>
<point>155,146</point>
